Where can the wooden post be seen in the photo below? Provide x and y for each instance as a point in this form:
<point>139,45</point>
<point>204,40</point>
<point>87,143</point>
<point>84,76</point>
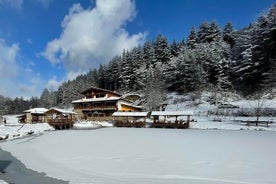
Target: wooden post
<point>188,120</point>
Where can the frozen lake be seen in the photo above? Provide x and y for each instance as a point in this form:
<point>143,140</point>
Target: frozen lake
<point>132,155</point>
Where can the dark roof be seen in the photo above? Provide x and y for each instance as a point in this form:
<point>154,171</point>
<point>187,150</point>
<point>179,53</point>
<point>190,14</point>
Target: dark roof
<point>101,90</point>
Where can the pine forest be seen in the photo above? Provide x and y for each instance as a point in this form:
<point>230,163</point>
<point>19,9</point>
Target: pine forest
<point>210,58</point>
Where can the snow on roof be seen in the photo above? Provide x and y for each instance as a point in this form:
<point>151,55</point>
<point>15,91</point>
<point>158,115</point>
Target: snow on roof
<point>64,111</point>
<point>171,113</point>
<point>96,99</point>
<point>100,89</point>
<point>130,114</point>
<point>36,111</point>
<point>125,102</point>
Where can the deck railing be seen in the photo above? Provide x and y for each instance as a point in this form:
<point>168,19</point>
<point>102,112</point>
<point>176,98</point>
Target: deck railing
<point>169,124</point>
<point>100,107</point>
<point>60,121</point>
<point>137,124</point>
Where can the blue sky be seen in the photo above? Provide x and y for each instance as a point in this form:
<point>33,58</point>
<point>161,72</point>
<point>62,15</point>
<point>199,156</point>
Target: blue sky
<point>46,42</point>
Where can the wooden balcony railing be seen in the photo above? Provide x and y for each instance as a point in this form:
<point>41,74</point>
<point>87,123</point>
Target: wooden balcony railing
<point>102,107</point>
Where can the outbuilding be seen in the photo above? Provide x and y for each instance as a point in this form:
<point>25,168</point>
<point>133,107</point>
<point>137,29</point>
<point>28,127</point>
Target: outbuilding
<point>171,119</point>
<point>35,115</point>
<point>60,118</point>
<point>130,119</point>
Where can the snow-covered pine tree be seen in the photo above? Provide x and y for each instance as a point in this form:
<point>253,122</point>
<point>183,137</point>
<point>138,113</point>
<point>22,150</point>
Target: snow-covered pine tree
<point>264,50</point>
<point>175,48</point>
<point>245,71</point>
<point>113,73</point>
<point>269,78</point>
<point>162,49</point>
<point>127,72</point>
<point>223,79</point>
<point>203,32</point>
<point>147,60</point>
<point>137,62</point>
<point>5,105</point>
<point>194,76</point>
<point>174,74</point>
<point>45,99</point>
<point>192,38</point>
<point>102,77</point>
<point>214,32</point>
<point>228,36</point>
<point>155,90</point>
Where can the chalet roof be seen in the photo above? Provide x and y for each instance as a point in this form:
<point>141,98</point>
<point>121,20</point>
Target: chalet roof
<point>130,114</point>
<point>96,99</point>
<point>100,89</point>
<point>63,111</point>
<point>36,111</point>
<point>171,113</point>
<point>127,103</point>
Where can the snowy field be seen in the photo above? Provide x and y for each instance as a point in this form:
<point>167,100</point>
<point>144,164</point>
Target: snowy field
<point>13,130</point>
<point>207,153</point>
<point>133,155</point>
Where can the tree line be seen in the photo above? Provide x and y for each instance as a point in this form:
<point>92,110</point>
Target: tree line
<point>224,59</point>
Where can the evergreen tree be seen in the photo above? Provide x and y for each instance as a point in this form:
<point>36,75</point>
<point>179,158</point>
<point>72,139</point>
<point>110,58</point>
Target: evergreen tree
<point>155,91</point>
<point>175,48</point>
<point>193,74</point>
<point>113,73</point>
<point>224,83</point>
<point>203,32</point>
<point>162,49</point>
<point>45,99</point>
<point>228,36</point>
<point>214,32</point>
<point>102,77</point>
<point>127,72</point>
<point>192,38</point>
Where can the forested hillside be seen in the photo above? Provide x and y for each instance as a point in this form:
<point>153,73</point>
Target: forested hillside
<point>211,57</point>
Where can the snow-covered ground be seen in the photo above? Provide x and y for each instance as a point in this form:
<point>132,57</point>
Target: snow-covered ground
<point>12,129</point>
<point>201,106</point>
<point>205,153</point>
<point>145,155</point>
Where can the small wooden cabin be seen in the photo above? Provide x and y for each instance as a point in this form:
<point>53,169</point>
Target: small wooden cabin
<point>60,118</point>
<point>99,104</point>
<point>171,119</point>
<point>35,115</point>
<point>130,119</point>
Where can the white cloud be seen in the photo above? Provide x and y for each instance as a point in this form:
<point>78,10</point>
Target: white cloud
<point>93,36</point>
<point>8,55</point>
<point>15,4</point>
<point>53,83</point>
<point>16,80</point>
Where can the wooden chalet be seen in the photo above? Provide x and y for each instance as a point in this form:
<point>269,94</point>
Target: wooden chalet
<point>60,118</point>
<point>171,119</point>
<point>35,115</point>
<point>99,104</point>
<point>130,119</point>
